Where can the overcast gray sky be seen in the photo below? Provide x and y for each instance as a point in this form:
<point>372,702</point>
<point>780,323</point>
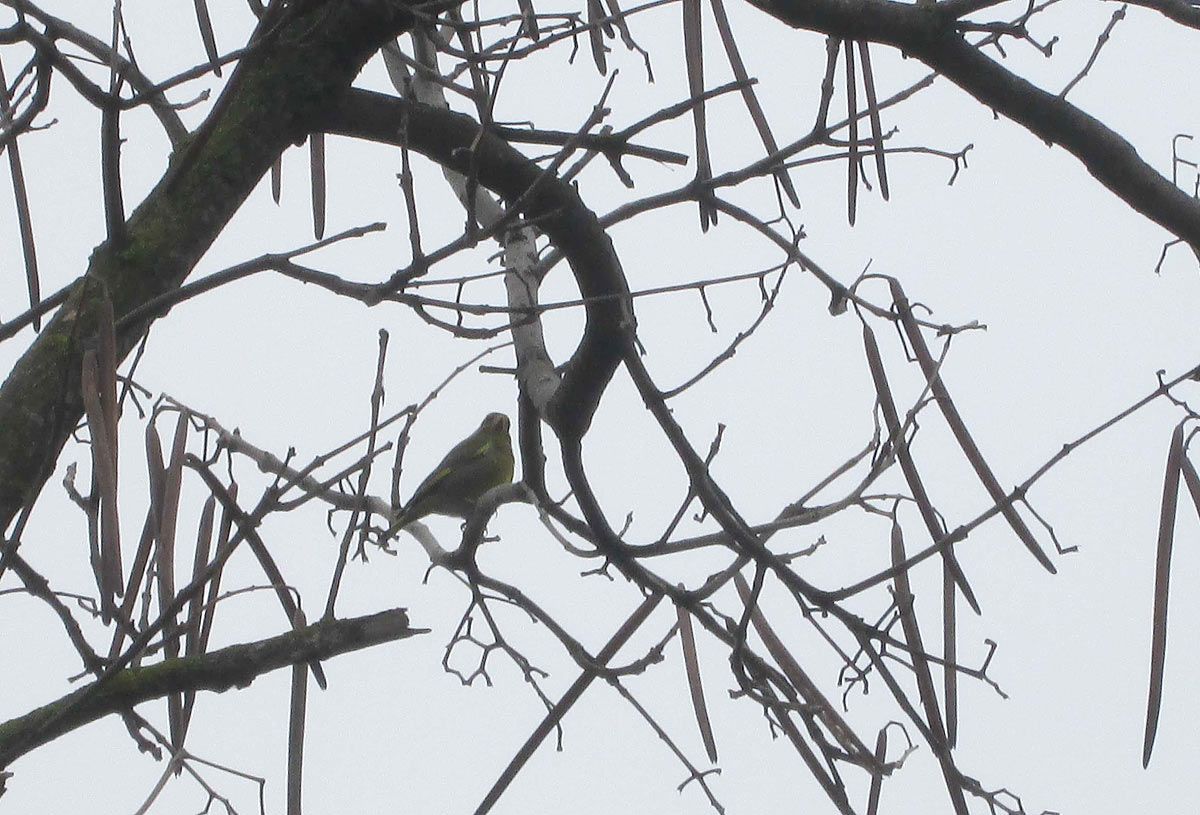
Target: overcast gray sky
<point>1025,241</point>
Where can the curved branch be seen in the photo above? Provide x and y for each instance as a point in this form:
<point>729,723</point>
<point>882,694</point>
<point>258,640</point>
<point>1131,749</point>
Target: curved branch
<point>457,141</point>
<point>56,28</point>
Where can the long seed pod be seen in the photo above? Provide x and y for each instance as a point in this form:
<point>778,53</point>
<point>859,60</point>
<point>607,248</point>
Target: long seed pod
<point>687,639</point>
<point>1162,581</point>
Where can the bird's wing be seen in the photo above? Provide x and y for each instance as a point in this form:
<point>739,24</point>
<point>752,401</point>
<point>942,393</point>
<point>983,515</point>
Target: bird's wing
<point>461,465</point>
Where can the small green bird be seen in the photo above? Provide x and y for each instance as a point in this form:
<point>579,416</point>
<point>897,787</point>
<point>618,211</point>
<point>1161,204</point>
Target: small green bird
<point>479,462</point>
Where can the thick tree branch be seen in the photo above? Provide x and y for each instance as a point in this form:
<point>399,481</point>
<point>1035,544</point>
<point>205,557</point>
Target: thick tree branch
<point>235,666</point>
<point>926,31</point>
<point>308,56</point>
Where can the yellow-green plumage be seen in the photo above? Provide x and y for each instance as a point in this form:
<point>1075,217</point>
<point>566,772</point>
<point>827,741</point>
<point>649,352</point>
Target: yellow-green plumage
<point>472,467</point>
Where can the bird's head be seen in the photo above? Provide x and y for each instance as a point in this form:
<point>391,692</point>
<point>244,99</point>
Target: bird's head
<point>495,422</point>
